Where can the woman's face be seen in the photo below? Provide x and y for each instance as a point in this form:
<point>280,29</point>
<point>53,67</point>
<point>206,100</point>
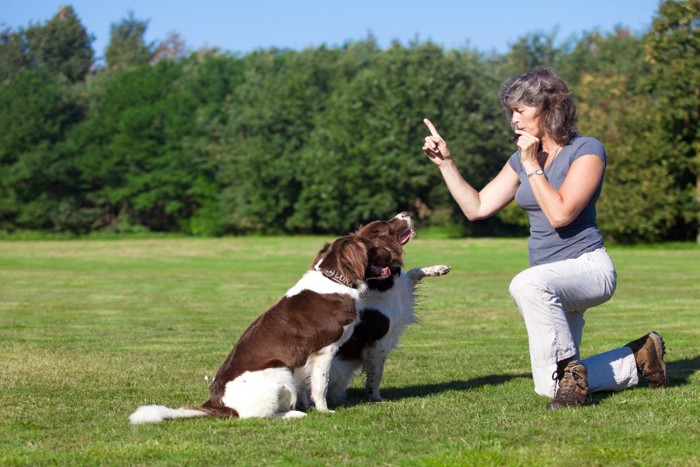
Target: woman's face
<point>525,118</point>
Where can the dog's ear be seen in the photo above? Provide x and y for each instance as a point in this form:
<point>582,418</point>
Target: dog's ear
<point>348,256</point>
<point>320,255</point>
<point>354,258</point>
<point>389,246</point>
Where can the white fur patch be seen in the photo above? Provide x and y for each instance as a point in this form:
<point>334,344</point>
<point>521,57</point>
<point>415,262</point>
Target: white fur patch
<point>316,282</point>
<point>272,392</point>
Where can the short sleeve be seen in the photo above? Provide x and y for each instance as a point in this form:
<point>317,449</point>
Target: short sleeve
<point>514,162</point>
<point>590,146</point>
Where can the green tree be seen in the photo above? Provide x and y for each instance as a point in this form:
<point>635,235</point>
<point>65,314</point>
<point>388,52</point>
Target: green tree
<point>209,79</point>
<point>136,168</point>
<point>640,200</point>
<point>364,160</point>
<point>127,46</point>
<point>35,178</point>
<point>273,114</point>
<point>13,54</point>
<point>618,53</point>
<point>673,50</point>
<point>607,74</point>
<point>62,45</point>
<point>325,139</point>
<point>529,51</point>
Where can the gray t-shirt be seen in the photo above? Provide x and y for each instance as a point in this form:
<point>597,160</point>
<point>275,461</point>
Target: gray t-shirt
<point>546,243</point>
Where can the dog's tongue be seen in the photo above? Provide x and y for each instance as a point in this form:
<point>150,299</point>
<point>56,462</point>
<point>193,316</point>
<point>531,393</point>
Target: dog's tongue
<point>406,236</point>
<point>381,272</point>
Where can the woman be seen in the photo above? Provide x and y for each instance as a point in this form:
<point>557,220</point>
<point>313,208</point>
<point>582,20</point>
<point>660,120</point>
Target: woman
<point>556,176</point>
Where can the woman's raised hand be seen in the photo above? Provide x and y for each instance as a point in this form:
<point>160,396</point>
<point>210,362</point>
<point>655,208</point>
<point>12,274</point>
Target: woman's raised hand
<point>529,146</point>
<point>435,147</point>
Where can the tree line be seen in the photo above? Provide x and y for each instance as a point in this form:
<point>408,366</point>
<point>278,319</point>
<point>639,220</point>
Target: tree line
<point>320,140</point>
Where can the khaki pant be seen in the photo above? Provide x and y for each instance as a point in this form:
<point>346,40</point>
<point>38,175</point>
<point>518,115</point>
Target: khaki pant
<point>552,299</point>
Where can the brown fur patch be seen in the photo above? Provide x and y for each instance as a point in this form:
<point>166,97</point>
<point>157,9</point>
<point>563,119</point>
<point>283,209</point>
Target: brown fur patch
<point>218,411</point>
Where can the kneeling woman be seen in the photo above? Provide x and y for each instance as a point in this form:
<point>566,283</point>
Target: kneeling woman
<point>556,176</point>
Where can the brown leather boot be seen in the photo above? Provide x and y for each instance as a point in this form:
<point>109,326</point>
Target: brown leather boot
<point>572,387</point>
<point>649,351</point>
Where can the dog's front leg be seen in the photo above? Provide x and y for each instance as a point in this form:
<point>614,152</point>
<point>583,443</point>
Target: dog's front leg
<point>416,274</point>
<point>319,365</point>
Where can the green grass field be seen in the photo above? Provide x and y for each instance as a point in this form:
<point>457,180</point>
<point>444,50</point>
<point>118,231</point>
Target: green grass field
<point>90,330</point>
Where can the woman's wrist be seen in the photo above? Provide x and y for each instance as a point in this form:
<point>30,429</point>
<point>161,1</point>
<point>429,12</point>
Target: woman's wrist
<point>448,167</point>
<point>530,167</point>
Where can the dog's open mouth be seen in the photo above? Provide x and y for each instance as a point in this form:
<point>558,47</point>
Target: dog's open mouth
<point>405,237</point>
<point>380,272</point>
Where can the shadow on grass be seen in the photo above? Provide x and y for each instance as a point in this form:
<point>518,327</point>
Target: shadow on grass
<point>680,371</point>
<point>357,396</point>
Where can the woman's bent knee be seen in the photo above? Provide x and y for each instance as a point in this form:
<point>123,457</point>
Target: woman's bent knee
<point>522,285</point>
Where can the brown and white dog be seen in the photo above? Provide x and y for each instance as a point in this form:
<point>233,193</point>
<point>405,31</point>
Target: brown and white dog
<point>290,347</point>
<point>388,310</point>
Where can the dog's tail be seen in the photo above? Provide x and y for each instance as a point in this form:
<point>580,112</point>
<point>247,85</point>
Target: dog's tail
<point>158,413</point>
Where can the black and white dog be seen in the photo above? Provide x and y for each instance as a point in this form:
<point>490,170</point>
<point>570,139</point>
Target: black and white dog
<point>388,310</point>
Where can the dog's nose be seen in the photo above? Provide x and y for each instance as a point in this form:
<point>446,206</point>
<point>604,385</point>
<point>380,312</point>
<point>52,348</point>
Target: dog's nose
<point>403,215</point>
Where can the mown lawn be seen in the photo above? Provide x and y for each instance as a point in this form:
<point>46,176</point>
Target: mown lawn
<point>91,329</point>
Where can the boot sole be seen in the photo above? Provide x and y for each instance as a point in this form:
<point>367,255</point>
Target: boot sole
<point>660,348</point>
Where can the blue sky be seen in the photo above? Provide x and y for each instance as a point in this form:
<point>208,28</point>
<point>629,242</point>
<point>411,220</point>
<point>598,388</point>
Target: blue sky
<point>242,26</point>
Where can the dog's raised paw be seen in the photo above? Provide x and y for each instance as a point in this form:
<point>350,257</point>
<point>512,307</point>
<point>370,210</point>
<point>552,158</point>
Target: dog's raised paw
<point>438,270</point>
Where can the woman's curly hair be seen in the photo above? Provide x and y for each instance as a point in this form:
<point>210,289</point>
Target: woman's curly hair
<point>545,89</point>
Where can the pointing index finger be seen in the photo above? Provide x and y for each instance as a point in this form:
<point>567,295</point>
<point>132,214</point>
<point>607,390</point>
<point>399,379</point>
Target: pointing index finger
<point>431,127</point>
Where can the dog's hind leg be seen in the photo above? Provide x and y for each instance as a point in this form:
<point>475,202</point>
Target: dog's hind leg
<point>287,400</point>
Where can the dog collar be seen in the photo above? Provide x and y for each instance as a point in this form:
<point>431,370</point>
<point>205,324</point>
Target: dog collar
<point>336,277</point>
